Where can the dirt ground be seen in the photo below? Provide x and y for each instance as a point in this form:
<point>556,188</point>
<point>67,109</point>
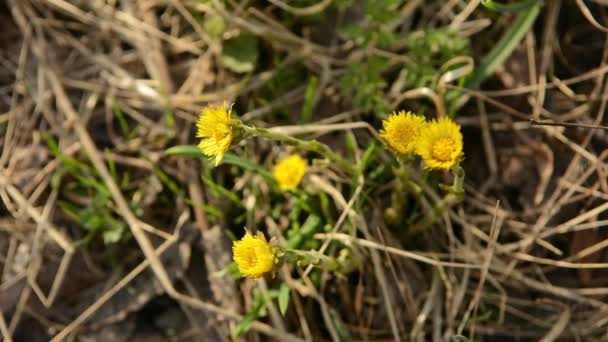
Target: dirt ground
<point>108,234</point>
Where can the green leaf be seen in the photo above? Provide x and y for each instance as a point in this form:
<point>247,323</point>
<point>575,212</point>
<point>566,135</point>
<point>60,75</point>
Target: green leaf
<point>429,49</point>
<point>383,11</point>
<point>231,270</point>
<point>69,209</point>
<point>309,100</point>
<point>245,324</point>
<point>113,233</point>
<point>217,189</point>
<point>111,163</point>
<point>73,166</point>
<point>461,338</point>
<point>284,292</point>
<point>189,151</point>
<point>304,233</point>
<point>167,181</point>
<point>340,328</point>
<point>209,209</point>
<point>214,25</point>
<point>367,158</point>
<point>505,46</point>
<point>509,8</point>
<point>364,83</point>
<point>246,164</point>
<point>241,53</point>
<point>351,143</point>
<point>122,121</point>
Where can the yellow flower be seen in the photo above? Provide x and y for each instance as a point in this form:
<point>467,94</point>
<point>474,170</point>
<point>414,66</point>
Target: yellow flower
<point>215,127</point>
<point>440,144</point>
<point>254,255</point>
<point>401,130</point>
<point>289,172</point>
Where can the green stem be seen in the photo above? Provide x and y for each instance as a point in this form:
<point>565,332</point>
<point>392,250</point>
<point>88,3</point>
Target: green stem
<point>399,195</point>
<point>314,258</point>
<point>346,262</point>
<point>307,145</point>
<point>454,196</point>
<point>458,185</point>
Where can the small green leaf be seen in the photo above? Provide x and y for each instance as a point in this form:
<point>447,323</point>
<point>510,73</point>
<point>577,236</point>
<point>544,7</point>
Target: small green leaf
<point>111,163</point>
<point>241,53</point>
<point>340,328</point>
<point>217,190</point>
<point>284,292</point>
<point>246,164</point>
<point>114,233</point>
<point>508,8</point>
<point>231,270</point>
<point>245,324</point>
<point>167,181</point>
<point>190,151</point>
<point>304,233</point>
<point>209,209</point>
<point>368,157</point>
<point>214,25</point>
<point>122,121</point>
<point>309,100</point>
<point>73,166</point>
<point>351,143</point>
<point>504,47</point>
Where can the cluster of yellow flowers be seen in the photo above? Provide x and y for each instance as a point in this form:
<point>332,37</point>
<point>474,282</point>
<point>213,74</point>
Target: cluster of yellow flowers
<point>217,131</point>
<point>253,255</point>
<point>438,142</point>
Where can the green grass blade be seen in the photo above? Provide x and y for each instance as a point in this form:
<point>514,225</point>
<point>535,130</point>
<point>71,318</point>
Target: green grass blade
<point>503,49</point>
<point>309,100</point>
<point>508,8</point>
<point>190,151</point>
<point>246,164</point>
<point>122,121</point>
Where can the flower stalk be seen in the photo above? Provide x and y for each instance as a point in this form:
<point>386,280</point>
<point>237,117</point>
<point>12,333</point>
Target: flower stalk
<point>306,145</point>
<point>395,213</point>
<point>256,256</point>
<point>345,263</point>
<point>219,132</point>
<point>454,195</point>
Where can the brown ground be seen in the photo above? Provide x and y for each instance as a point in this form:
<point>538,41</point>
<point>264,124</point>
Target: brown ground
<point>113,84</point>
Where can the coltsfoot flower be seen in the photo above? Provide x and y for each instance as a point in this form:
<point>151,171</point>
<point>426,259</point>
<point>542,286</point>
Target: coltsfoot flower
<point>289,172</point>
<point>440,144</point>
<point>216,130</point>
<point>254,255</point>
<point>401,131</point>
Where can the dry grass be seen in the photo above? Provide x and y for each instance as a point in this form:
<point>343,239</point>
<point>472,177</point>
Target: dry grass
<point>115,83</point>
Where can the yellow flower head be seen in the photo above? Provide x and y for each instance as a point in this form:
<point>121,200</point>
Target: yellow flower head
<point>254,255</point>
<point>289,172</point>
<point>401,130</point>
<point>216,130</point>
<point>440,144</point>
